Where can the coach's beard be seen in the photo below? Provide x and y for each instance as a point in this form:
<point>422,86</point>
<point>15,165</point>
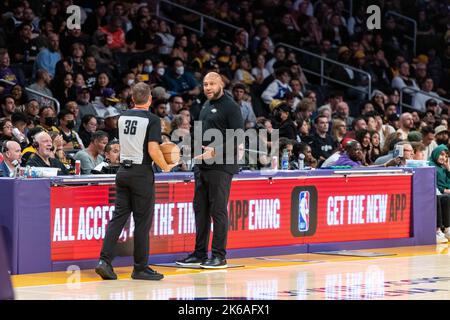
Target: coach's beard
<point>217,95</point>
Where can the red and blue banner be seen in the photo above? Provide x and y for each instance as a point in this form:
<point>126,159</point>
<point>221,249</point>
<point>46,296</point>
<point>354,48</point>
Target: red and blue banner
<point>262,213</point>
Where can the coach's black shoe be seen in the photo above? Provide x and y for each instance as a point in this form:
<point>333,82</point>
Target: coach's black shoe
<point>105,270</point>
<point>146,274</point>
<point>191,260</point>
<point>214,263</point>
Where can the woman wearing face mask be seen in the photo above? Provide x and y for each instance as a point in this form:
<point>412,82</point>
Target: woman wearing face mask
<point>72,140</point>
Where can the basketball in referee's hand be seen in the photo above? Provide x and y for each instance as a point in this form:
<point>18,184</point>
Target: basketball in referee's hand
<point>171,152</point>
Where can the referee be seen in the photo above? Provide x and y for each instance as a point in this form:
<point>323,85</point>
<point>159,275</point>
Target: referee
<point>213,180</point>
<point>139,137</point>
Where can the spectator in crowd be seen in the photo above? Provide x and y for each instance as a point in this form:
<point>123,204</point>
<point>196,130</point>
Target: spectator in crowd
<point>8,107</point>
<point>167,39</point>
<point>343,113</point>
<point>403,79</point>
<point>24,48</point>
<point>175,104</point>
<point>102,82</point>
<point>321,142</point>
<point>428,140</point>
<point>439,159</point>
<point>375,152</point>
<point>180,47</point>
<point>47,119</point>
<point>115,36</point>
<point>20,121</point>
<point>90,71</point>
<point>441,135</point>
<point>48,57</point>
<point>358,124</point>
<point>6,129</point>
<point>84,102</point>
<point>278,88</point>
<point>32,111</point>
<point>287,128</point>
<point>279,56</point>
<point>259,71</point>
<point>65,90</point>
<point>8,73</point>
<point>30,149</point>
<point>43,156</point>
<point>71,139</point>
<point>107,100</point>
<point>420,99</point>
<point>159,108</point>
<point>352,156</point>
<point>363,137</point>
<point>179,81</point>
<point>41,85</point>
<point>88,127</point>
<point>406,125</point>
<point>111,121</point>
<point>92,155</point>
<point>407,152</point>
<point>111,163</point>
<point>11,153</point>
<point>339,130</point>
<point>138,38</point>
<point>239,92</point>
<point>419,151</point>
<point>305,149</point>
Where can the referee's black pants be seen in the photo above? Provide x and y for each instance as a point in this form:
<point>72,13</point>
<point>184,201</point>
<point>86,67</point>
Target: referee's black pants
<point>212,190</point>
<point>135,192</point>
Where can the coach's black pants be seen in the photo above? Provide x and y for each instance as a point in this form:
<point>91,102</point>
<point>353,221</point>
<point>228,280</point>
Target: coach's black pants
<point>212,189</point>
<point>135,192</point>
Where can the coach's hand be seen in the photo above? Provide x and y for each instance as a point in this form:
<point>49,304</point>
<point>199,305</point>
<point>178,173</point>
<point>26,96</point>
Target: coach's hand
<point>208,153</point>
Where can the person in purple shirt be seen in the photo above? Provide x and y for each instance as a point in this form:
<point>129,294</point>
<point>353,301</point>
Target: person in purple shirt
<point>8,73</point>
<point>352,156</point>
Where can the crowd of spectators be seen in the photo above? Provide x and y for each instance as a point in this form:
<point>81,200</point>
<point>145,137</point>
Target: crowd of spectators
<point>90,72</point>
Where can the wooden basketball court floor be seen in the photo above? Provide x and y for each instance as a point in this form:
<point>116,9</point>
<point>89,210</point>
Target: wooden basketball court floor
<point>413,273</point>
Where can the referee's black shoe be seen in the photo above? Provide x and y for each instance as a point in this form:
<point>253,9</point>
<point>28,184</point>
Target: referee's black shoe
<point>191,260</point>
<point>146,274</point>
<point>105,270</point>
<point>214,263</point>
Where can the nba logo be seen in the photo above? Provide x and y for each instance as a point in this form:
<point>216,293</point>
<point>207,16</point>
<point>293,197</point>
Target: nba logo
<point>303,211</point>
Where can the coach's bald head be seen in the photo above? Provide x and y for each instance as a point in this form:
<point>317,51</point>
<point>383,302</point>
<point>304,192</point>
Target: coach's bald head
<point>213,86</point>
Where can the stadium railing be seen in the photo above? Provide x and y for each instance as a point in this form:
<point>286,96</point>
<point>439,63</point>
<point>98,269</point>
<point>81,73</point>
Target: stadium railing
<point>57,104</point>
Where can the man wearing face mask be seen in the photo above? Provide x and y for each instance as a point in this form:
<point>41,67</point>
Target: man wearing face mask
<point>181,82</point>
<point>72,140</point>
<point>156,78</point>
<point>47,119</point>
<point>42,158</point>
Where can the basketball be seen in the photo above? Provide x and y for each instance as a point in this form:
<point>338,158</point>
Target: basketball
<point>171,152</point>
